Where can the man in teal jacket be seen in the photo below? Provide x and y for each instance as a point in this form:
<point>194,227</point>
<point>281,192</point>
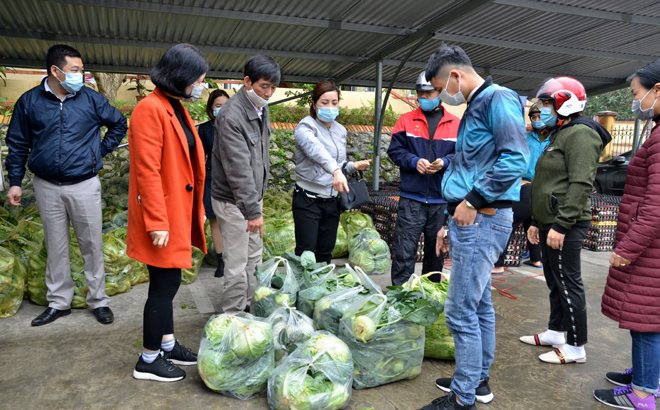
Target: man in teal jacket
<point>480,185</point>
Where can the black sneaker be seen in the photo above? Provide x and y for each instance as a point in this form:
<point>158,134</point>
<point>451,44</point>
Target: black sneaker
<point>483,393</point>
<point>180,355</point>
<point>448,403</point>
<point>620,379</point>
<point>161,370</point>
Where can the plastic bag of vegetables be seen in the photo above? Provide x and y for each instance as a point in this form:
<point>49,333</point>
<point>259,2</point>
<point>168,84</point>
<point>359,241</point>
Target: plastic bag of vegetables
<point>290,329</point>
<point>317,376</point>
<point>316,284</point>
<point>279,237</point>
<point>354,221</point>
<point>369,252</point>
<point>236,355</point>
<point>352,285</point>
<point>12,284</point>
<point>275,288</point>
<point>188,276</point>
<point>386,345</point>
<point>439,342</point>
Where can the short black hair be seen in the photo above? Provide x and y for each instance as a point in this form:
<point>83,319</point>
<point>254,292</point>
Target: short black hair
<point>179,67</point>
<point>209,104</point>
<point>649,75</point>
<point>445,55</point>
<point>57,55</point>
<point>261,66</point>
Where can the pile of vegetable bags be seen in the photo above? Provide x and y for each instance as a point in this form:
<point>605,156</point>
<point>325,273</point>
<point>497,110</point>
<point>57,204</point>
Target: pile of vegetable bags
<point>369,252</point>
<point>316,376</point>
<point>275,288</point>
<point>439,342</point>
<point>279,229</point>
<point>236,355</point>
<point>386,335</point>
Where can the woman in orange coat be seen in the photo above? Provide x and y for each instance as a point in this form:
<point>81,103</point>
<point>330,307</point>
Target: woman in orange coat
<point>165,211</point>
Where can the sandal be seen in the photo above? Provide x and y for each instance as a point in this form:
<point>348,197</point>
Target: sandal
<point>529,263</point>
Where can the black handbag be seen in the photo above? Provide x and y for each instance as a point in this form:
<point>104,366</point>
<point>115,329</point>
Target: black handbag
<point>357,194</point>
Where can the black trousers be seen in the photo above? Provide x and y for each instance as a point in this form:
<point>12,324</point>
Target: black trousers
<point>158,313</point>
<point>563,275</point>
<point>316,222</point>
<point>413,219</point>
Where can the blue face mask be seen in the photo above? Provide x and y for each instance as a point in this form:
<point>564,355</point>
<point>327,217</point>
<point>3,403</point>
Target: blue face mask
<point>537,125</point>
<point>216,111</point>
<point>547,118</point>
<point>73,81</point>
<point>428,105</point>
<point>327,114</point>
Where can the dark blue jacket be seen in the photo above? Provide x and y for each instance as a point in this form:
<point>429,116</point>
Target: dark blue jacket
<point>410,142</point>
<point>61,138</point>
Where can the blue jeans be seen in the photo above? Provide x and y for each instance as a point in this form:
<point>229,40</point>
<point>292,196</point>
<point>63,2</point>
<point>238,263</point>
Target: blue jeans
<point>474,249</point>
<point>646,361</point>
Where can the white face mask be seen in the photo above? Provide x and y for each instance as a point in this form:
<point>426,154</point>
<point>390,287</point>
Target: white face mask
<point>196,92</point>
<point>256,100</point>
<point>456,99</point>
<point>641,114</point>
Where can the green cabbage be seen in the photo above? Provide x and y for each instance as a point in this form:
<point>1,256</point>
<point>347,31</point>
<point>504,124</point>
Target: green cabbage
<point>317,376</point>
<point>236,355</point>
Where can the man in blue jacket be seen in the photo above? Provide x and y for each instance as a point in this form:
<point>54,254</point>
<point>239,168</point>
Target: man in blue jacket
<point>58,126</point>
<point>480,185</point>
<point>422,145</point>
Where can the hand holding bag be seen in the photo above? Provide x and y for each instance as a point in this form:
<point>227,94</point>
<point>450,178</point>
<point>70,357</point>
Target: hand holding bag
<point>358,194</point>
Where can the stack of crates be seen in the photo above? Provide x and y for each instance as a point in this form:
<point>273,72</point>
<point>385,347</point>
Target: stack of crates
<point>516,247</point>
<point>604,217</point>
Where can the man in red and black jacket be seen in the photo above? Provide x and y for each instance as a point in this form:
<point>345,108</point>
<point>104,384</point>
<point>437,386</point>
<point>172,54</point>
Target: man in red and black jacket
<point>422,146</point>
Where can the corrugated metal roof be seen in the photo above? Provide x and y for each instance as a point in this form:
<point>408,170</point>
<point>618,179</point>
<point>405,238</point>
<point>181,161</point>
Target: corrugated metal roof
<point>519,42</point>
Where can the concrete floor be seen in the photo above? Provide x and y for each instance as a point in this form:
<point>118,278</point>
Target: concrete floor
<point>77,363</point>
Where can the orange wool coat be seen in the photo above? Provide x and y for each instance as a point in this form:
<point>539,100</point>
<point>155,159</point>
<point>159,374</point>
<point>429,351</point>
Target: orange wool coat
<point>164,192</point>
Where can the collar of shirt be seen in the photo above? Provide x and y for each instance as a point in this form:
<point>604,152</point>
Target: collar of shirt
<point>51,91</point>
<point>472,92</point>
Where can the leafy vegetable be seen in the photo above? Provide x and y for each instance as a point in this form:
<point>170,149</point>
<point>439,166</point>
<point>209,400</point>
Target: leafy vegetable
<point>439,342</point>
<point>290,329</point>
<point>316,376</point>
<point>369,252</point>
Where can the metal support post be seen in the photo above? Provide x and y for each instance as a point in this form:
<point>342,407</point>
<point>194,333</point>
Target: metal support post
<point>375,163</point>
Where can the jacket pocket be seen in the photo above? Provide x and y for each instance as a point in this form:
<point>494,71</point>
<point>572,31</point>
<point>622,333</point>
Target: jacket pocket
<point>634,211</point>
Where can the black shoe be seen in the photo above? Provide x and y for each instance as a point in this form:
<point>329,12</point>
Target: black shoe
<point>483,393</point>
<point>180,355</point>
<point>620,379</point>
<point>49,315</point>
<point>220,271</point>
<point>104,315</point>
<point>448,403</point>
<point>161,370</point>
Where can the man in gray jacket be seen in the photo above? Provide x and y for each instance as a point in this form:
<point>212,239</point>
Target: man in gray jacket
<point>240,174</point>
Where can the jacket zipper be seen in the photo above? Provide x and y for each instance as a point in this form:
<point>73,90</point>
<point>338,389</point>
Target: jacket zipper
<point>428,177</point>
<point>59,160</point>
<point>336,152</point>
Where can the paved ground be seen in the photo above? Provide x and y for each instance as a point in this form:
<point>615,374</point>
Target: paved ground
<point>76,363</point>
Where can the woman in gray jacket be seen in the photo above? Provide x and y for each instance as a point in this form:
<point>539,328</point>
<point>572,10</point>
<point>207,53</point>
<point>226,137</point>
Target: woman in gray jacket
<point>320,161</point>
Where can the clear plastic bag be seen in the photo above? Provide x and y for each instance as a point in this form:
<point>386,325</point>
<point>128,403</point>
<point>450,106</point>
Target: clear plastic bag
<point>317,376</point>
<point>370,253</point>
<point>275,288</point>
<point>439,342</point>
<point>290,329</point>
<point>12,283</point>
<point>188,276</point>
<point>236,355</point>
<point>353,285</point>
<point>315,284</point>
<point>385,348</point>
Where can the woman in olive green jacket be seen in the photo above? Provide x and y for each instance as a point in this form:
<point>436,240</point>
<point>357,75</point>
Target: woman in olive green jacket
<point>561,213</point>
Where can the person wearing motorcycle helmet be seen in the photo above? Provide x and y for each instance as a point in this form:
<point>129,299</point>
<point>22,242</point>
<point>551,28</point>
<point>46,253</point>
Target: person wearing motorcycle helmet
<point>561,213</point>
<point>422,146</point>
